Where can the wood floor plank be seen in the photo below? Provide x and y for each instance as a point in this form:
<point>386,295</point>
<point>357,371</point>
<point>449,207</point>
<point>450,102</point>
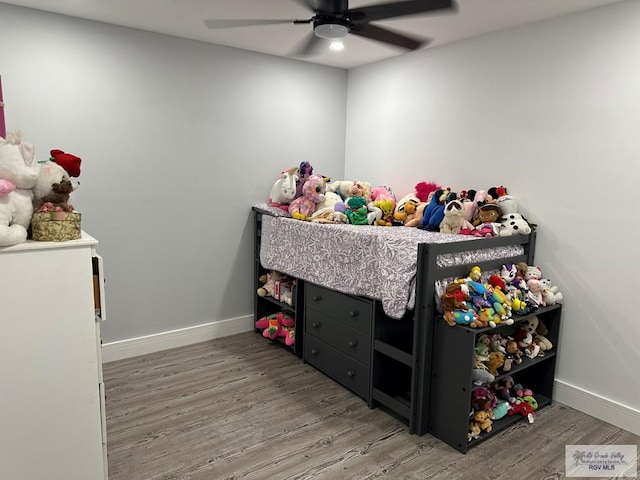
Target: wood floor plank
<point>244,408</point>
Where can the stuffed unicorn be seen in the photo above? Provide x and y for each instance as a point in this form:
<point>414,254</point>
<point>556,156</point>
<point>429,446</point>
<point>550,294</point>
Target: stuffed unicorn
<point>19,172</point>
<point>312,194</point>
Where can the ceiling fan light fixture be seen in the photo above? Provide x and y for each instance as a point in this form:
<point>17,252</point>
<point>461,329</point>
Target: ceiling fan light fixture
<point>336,45</point>
<point>331,31</point>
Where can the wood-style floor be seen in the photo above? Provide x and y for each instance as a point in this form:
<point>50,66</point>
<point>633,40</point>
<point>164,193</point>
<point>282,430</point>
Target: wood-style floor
<point>242,407</point>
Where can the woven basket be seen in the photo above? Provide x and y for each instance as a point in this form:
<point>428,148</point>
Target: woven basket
<point>55,226</point>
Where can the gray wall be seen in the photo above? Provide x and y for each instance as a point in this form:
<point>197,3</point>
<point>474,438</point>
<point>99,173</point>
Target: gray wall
<point>178,140</point>
<point>552,112</point>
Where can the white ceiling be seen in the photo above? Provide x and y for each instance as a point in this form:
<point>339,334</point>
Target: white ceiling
<point>185,18</point>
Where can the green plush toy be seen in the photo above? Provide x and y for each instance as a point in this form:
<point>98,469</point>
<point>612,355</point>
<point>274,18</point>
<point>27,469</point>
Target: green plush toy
<point>357,211</point>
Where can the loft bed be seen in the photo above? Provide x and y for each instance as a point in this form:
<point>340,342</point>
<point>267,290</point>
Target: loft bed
<point>401,269</point>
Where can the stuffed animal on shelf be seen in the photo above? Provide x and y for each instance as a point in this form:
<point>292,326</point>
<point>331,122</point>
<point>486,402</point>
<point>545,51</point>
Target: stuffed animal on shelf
<point>487,221</point>
<point>57,199</point>
<point>278,324</point>
<point>304,172</point>
<point>482,419</point>
<point>19,172</point>
<point>52,172</point>
<point>454,221</point>
<point>312,194</point>
<point>331,210</point>
<point>268,281</point>
<point>385,208</point>
<point>513,224</point>
<point>357,211</point>
<point>434,212</point>
<point>550,294</point>
<point>538,331</point>
<point>284,189</point>
<point>348,188</point>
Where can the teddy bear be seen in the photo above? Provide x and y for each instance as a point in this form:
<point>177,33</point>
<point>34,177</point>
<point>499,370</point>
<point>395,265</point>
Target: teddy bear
<point>538,330</point>
<point>483,420</point>
<point>454,220</point>
<point>268,281</point>
<point>19,171</point>
<point>52,172</point>
<point>496,360</point>
<point>513,355</point>
<point>312,193</point>
<point>58,198</point>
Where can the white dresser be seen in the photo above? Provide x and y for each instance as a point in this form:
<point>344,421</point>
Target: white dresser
<point>52,409</point>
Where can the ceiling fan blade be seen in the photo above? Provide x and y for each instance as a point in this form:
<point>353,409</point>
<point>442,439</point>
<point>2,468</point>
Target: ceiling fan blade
<point>380,34</point>
<point>308,4</point>
<point>398,9</point>
<point>310,45</point>
<point>230,23</point>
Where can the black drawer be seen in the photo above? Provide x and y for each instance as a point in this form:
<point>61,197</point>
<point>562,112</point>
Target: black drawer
<point>353,311</point>
<point>339,335</point>
<point>338,366</point>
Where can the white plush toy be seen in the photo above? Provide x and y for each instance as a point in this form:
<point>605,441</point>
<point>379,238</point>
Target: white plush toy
<point>18,166</point>
<point>513,224</point>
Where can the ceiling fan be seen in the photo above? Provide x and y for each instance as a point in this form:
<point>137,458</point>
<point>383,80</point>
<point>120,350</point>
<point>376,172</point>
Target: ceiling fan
<point>333,19</point>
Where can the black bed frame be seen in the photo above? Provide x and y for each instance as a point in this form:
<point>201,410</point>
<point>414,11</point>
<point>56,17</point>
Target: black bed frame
<point>402,349</point>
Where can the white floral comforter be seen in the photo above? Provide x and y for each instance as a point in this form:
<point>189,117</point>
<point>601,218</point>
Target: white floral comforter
<point>376,262</point>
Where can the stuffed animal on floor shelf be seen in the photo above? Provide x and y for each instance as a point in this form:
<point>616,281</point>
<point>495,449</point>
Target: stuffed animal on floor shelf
<point>278,324</point>
<point>269,280</point>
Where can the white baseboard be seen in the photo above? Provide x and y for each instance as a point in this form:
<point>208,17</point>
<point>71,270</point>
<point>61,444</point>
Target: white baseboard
<point>133,347</point>
<point>597,406</point>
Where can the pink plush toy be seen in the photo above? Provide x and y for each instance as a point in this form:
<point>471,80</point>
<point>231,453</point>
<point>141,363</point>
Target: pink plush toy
<point>312,193</point>
<point>278,325</point>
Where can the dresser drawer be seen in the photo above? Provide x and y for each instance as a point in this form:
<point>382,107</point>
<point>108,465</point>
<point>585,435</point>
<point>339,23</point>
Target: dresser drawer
<point>338,366</point>
<point>339,335</point>
<point>353,311</point>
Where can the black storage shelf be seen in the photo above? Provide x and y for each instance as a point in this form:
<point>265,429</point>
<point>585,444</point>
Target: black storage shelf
<point>451,376</point>
<point>268,305</point>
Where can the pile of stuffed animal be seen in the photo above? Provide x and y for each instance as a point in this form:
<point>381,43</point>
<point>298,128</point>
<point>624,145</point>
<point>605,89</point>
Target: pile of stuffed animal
<point>495,394</point>
<point>479,301</point>
<point>482,213</point>
<point>488,300</point>
<point>496,400</point>
<point>26,185</point>
<point>280,324</point>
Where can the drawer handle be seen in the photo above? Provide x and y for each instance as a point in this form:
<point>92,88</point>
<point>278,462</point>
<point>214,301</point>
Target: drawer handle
<point>353,343</point>
<point>316,324</point>
<point>317,298</point>
<point>351,373</point>
<point>314,351</point>
<point>354,313</point>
